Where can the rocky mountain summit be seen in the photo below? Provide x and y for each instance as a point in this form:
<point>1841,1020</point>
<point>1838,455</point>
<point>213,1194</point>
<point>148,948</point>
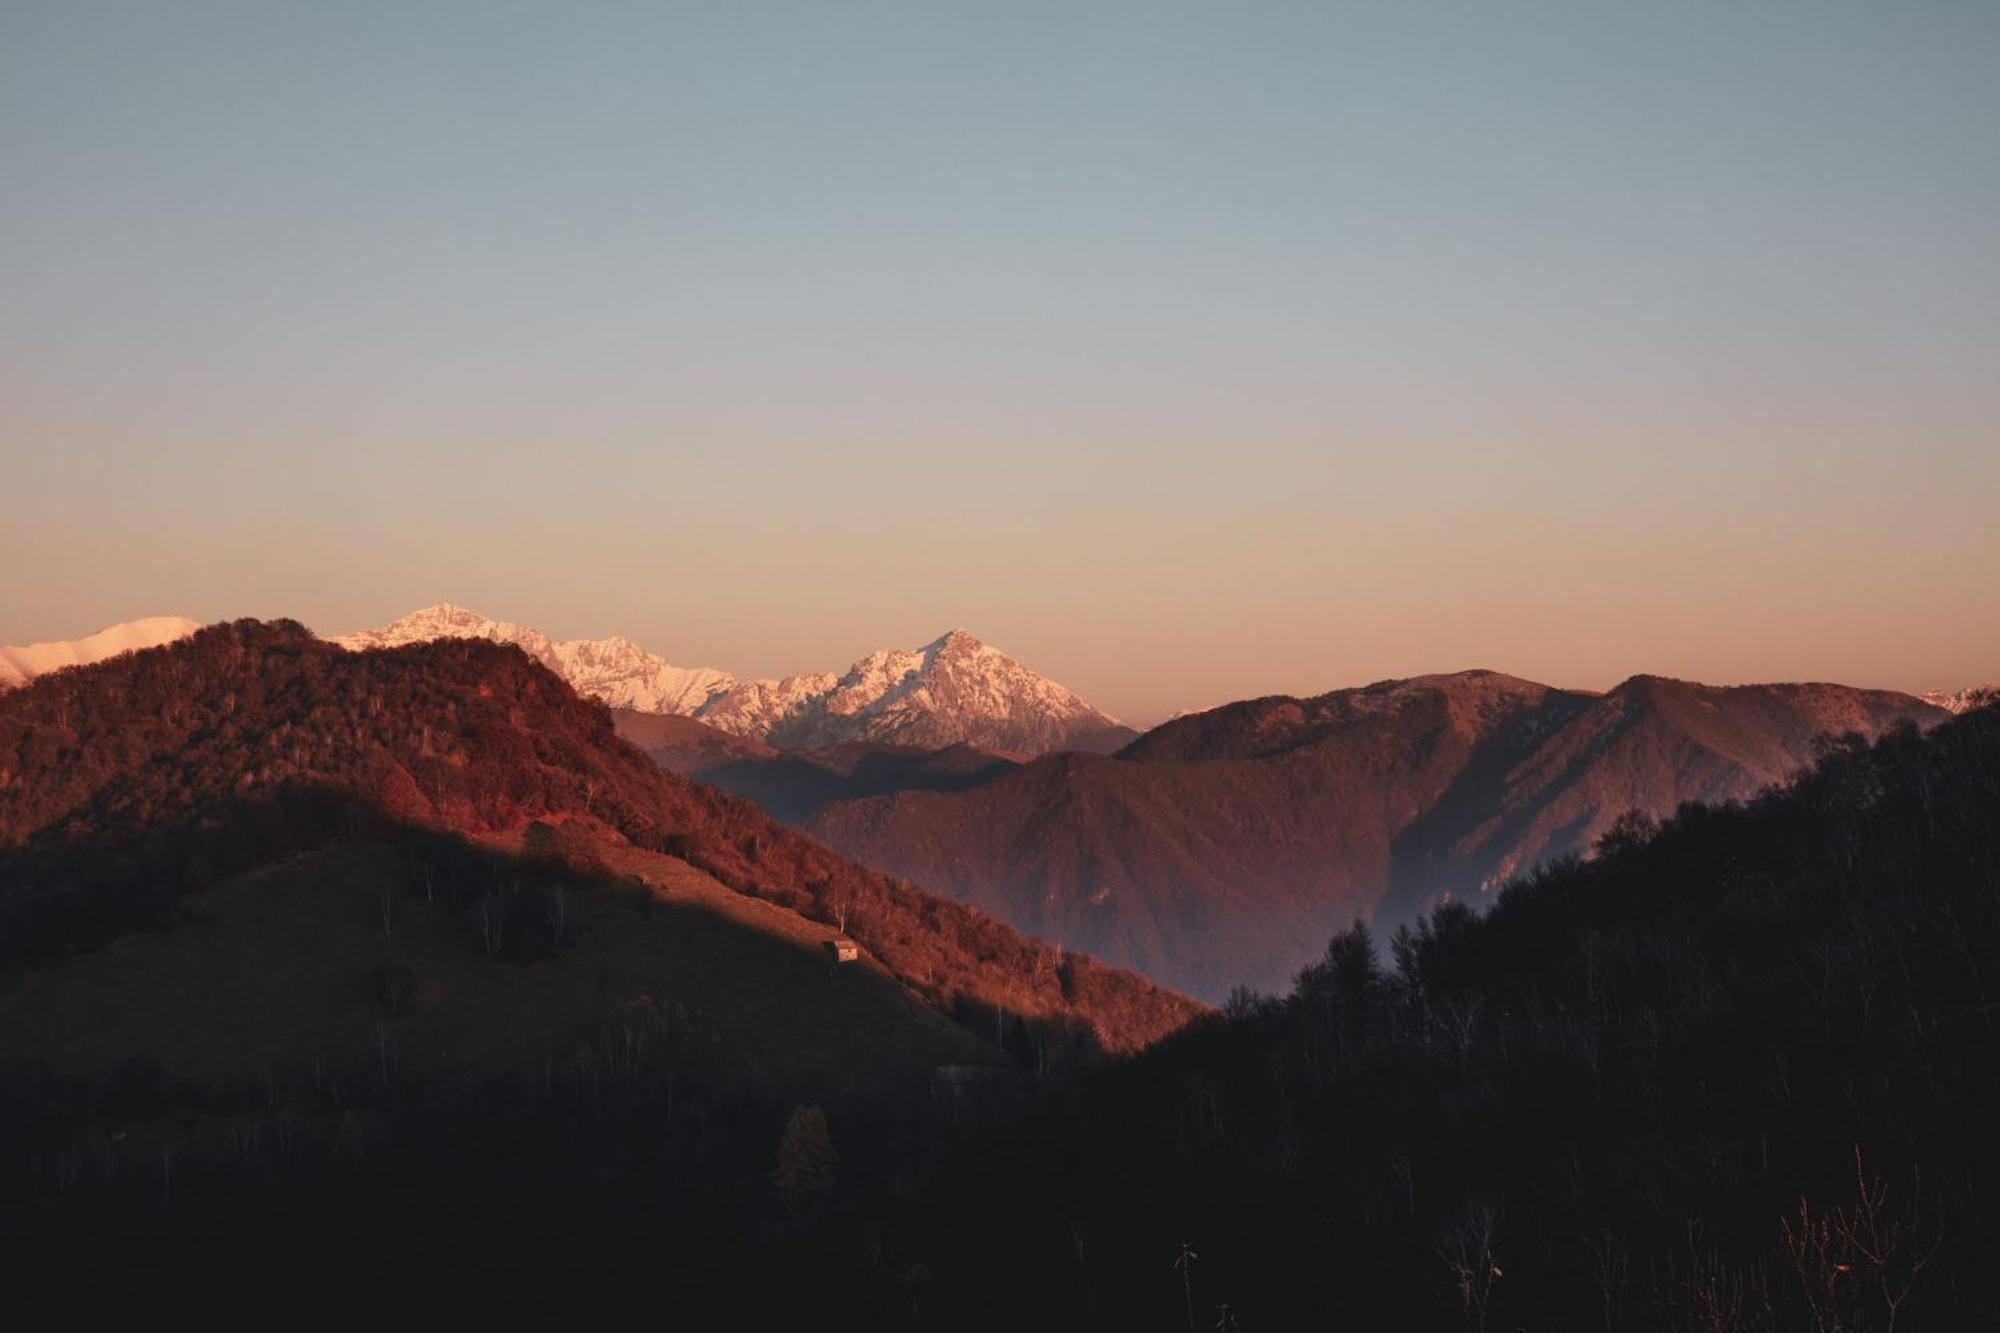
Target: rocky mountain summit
<point>955,690</point>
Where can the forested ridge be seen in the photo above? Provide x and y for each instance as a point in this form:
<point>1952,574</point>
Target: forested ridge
<point>125,784</point>
<point>1736,1072</point>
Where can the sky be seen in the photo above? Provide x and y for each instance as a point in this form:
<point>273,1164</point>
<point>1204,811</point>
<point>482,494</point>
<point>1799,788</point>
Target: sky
<point>1188,352</point>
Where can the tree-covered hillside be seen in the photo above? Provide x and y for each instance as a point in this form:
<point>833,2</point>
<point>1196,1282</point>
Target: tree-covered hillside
<point>1736,1072</point>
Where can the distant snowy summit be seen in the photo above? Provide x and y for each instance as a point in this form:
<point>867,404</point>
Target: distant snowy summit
<point>616,670</point>
<point>1960,701</point>
<point>19,665</point>
<point>951,691</point>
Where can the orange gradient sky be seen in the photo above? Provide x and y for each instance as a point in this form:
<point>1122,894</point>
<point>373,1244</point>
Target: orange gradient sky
<point>1186,353</point>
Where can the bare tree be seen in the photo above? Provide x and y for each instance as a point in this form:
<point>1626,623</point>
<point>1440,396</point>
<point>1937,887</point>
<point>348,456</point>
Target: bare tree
<point>1184,1263</point>
<point>558,906</point>
<point>1079,1244</point>
<point>1857,1266</point>
<point>492,919</point>
<point>1468,1256</point>
<point>1461,1025</point>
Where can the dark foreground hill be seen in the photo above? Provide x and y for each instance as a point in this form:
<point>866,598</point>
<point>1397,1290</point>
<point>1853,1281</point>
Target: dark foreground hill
<point>1736,1073</point>
<point>1215,849</point>
<point>127,786</point>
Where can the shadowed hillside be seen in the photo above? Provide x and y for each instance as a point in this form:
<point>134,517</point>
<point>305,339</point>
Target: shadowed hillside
<point>795,785</point>
<point>128,785</point>
<point>402,959</point>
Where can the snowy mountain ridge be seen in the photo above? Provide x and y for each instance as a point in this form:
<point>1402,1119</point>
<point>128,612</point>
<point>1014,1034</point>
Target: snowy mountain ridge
<point>616,670</point>
<point>20,664</point>
<point>954,689</point>
<point>1960,701</point>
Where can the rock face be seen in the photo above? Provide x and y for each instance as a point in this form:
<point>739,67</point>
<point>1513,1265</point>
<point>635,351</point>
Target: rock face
<point>1228,845</point>
<point>19,665</point>
<point>954,691</point>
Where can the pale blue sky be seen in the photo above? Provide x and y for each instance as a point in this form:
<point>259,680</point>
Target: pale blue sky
<point>1187,351</point>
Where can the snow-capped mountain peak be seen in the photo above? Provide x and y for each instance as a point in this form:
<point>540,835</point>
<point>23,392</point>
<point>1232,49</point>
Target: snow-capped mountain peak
<point>953,689</point>
<point>614,669</point>
<point>1960,701</point>
<point>444,621</point>
<point>21,664</point>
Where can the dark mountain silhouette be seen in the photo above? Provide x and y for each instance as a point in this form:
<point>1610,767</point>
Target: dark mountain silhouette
<point>127,786</point>
<point>1214,849</point>
<point>795,785</point>
<point>1734,1073</point>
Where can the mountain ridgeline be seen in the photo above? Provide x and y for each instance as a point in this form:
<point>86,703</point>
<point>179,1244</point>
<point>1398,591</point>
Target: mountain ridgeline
<point>127,785</point>
<point>1214,849</point>
<point>20,664</point>
<point>955,690</point>
<point>795,785</point>
<point>1734,1074</point>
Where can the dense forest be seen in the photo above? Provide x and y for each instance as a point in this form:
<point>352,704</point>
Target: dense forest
<point>1733,1072</point>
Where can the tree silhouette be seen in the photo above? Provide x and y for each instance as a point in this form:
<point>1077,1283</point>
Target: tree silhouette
<point>807,1163</point>
<point>1184,1262</point>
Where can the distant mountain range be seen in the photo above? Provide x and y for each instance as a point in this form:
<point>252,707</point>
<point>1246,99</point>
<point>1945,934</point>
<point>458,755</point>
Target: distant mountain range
<point>1226,846</point>
<point>616,670</point>
<point>954,690</point>
<point>19,665</point>
<point>1961,701</point>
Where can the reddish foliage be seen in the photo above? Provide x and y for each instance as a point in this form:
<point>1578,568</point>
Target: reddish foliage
<point>125,783</point>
